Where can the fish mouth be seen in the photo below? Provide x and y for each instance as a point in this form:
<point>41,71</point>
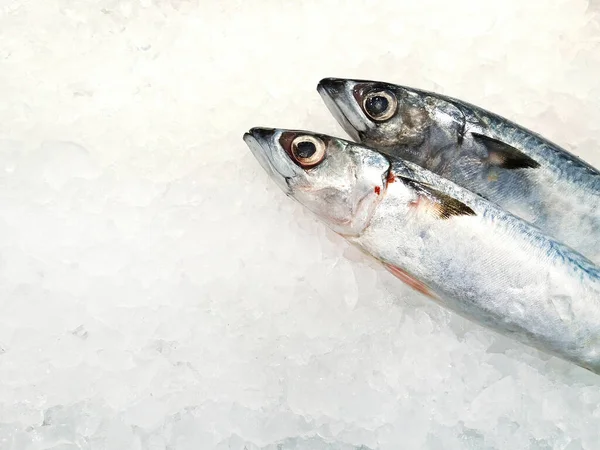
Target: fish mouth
<point>338,96</point>
<point>264,145</point>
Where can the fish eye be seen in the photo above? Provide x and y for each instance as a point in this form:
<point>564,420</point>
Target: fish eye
<point>380,105</point>
<point>308,151</point>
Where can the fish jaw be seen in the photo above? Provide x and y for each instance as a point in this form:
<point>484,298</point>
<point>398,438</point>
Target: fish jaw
<point>261,142</point>
<point>337,94</point>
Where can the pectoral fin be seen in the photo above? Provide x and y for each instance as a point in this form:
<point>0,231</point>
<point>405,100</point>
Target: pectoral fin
<point>410,280</point>
<point>501,154</point>
<point>437,203</point>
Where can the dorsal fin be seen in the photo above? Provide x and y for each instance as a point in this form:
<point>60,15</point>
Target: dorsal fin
<point>437,203</point>
<point>501,154</point>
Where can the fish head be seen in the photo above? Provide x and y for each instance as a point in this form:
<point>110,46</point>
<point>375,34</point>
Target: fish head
<point>339,181</point>
<point>378,114</point>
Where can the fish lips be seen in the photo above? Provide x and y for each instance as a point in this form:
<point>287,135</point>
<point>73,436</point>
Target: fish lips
<point>264,145</point>
<point>338,96</point>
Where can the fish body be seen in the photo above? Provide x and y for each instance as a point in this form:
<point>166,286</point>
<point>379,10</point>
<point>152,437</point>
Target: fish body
<point>491,156</point>
<point>457,248</point>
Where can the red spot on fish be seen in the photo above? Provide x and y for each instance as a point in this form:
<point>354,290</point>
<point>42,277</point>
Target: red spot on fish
<point>377,190</point>
<point>391,178</point>
<point>410,280</point>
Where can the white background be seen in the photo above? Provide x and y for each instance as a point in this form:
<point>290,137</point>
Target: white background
<point>158,291</point>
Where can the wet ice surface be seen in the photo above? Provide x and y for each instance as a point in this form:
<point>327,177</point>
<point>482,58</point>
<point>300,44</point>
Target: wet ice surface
<point>158,291</point>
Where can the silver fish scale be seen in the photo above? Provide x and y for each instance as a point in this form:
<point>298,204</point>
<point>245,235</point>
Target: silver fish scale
<point>495,158</point>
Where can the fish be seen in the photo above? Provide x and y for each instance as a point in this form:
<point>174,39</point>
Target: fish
<point>449,244</point>
<point>485,153</point>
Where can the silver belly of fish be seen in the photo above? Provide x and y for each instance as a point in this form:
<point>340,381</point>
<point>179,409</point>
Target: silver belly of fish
<point>492,269</point>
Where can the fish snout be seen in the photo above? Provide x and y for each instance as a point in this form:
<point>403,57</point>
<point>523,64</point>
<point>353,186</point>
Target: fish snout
<point>260,134</point>
<point>332,86</point>
<point>337,94</point>
<point>264,145</point>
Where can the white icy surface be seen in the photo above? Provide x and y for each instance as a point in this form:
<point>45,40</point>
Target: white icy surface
<point>158,291</point>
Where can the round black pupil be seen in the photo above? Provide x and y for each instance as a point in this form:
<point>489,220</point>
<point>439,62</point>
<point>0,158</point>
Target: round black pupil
<point>305,149</point>
<point>377,105</point>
